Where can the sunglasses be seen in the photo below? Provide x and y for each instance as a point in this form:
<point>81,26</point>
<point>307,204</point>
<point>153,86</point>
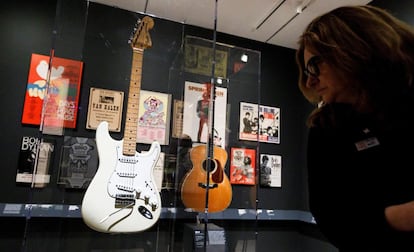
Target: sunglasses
<point>312,68</point>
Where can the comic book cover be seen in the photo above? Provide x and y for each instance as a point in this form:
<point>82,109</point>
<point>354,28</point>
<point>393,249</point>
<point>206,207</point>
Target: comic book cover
<point>54,84</point>
<point>270,170</point>
<point>243,166</point>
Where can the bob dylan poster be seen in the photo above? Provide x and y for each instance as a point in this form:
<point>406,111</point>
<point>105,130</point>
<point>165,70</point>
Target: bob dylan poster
<point>153,117</point>
<point>195,120</point>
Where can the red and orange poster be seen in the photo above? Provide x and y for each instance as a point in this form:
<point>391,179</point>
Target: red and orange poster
<point>59,93</point>
<point>243,166</point>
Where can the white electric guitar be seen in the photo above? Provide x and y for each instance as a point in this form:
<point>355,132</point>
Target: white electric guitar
<point>123,197</point>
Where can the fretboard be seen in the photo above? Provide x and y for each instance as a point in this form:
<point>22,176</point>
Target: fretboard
<point>131,120</point>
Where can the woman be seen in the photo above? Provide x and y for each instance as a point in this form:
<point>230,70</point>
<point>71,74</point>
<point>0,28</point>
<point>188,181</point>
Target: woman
<point>357,65</point>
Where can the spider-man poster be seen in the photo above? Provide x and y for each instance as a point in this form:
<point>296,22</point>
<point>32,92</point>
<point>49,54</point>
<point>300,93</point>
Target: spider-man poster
<point>196,113</point>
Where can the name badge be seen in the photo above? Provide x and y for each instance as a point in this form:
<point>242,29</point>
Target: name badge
<point>367,143</point>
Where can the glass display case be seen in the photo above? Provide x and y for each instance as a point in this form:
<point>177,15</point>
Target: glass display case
<point>141,134</point>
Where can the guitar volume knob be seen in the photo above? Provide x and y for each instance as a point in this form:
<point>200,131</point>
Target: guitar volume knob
<point>153,204</point>
<point>138,194</point>
<point>154,207</point>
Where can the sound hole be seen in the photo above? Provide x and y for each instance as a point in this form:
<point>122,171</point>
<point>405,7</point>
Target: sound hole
<point>216,174</point>
<point>212,165</point>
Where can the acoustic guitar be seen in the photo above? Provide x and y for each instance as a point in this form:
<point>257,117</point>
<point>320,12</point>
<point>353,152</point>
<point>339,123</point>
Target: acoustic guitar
<point>123,196</point>
<point>198,180</point>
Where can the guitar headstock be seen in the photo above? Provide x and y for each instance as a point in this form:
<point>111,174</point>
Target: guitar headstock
<point>141,38</point>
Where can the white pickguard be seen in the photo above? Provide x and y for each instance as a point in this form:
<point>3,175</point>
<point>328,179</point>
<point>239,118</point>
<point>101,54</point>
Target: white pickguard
<point>122,197</point>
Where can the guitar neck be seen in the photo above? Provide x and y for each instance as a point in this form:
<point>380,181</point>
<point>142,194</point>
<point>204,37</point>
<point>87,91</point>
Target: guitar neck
<point>131,121</point>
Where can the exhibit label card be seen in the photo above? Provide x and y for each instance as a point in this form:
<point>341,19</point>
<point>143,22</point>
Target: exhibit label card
<point>177,127</point>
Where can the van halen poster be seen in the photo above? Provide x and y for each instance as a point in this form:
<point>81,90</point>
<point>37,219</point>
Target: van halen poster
<point>59,93</point>
<point>196,113</point>
<point>243,166</point>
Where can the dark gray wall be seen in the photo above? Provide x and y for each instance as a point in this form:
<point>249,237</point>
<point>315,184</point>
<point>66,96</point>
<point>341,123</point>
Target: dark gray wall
<point>97,35</point>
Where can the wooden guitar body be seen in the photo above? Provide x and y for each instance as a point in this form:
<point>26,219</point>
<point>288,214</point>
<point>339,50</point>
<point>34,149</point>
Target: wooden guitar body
<point>194,186</point>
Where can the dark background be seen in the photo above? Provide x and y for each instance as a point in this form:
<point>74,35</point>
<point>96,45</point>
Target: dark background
<point>97,35</point>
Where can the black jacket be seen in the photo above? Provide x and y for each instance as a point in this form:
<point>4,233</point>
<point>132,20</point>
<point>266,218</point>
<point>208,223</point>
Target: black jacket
<point>357,167</point>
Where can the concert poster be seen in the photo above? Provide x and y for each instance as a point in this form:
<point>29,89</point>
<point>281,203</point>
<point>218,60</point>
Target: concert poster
<point>153,117</point>
<point>105,105</point>
<point>269,124</point>
<point>270,170</point>
<point>198,58</point>
<point>196,109</point>
<point>35,158</point>
<point>243,166</point>
<point>56,96</point>
<point>259,123</point>
<point>249,121</point>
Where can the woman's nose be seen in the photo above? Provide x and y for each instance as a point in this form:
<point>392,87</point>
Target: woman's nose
<point>311,81</point>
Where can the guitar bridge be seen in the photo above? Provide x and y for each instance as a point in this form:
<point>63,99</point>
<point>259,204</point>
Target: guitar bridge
<point>124,200</point>
<point>204,186</point>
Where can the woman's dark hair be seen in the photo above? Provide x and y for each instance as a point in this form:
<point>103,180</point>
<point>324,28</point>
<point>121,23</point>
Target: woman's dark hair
<point>366,45</point>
